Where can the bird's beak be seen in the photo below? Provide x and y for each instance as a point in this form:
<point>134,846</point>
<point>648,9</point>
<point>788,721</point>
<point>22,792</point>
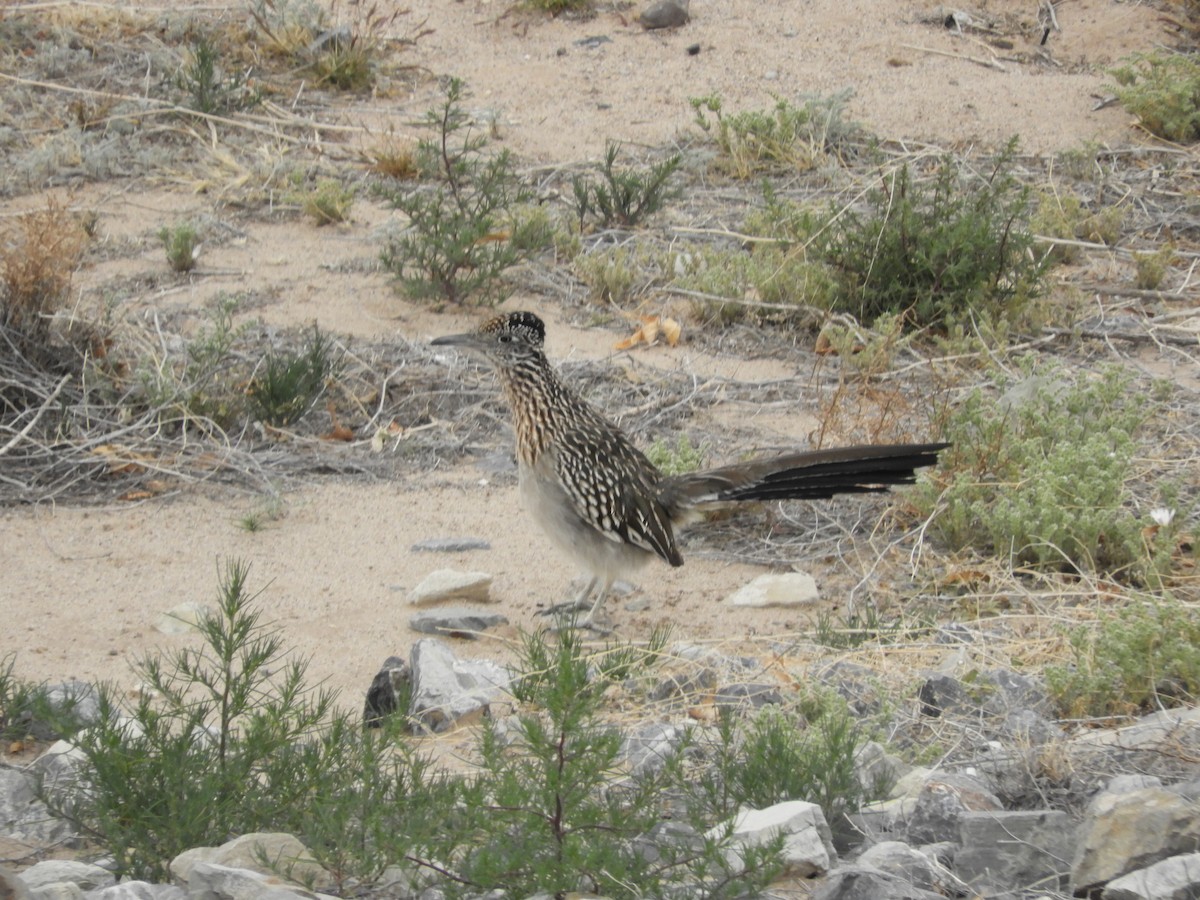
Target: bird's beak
<point>468,341</point>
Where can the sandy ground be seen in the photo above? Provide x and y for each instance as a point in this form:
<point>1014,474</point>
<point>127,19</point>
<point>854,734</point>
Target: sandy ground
<point>82,588</point>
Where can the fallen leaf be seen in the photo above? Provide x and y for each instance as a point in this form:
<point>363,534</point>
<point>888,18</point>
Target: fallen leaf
<point>649,330</point>
<point>338,433</point>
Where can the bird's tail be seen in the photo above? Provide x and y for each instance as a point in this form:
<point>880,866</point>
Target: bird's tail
<point>803,476</point>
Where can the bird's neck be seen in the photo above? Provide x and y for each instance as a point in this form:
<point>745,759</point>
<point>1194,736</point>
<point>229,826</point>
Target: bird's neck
<point>537,399</point>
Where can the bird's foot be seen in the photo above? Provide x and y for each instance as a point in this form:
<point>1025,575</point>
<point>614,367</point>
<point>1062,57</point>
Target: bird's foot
<point>568,609</point>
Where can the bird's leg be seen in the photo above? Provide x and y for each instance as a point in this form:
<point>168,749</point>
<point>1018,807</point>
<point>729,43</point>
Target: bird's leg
<point>576,605</point>
<point>568,610</point>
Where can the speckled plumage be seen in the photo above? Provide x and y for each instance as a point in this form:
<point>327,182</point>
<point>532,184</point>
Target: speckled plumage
<point>603,501</point>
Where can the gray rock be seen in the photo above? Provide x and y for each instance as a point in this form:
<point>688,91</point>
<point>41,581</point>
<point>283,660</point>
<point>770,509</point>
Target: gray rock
<point>876,770</point>
<point>747,695</point>
<point>450,545</point>
<point>667,833</point>
<point>23,816</point>
<point>685,683</point>
<point>211,881</point>
<point>808,845</point>
<point>883,821</point>
<point>59,890</point>
<point>11,886</point>
<point>649,747</point>
<point>1121,833</point>
<point>1031,728</point>
<point>283,855</point>
<point>446,688</point>
<point>456,622</point>
<point>941,804</point>
<point>857,882</point>
<point>664,14</point>
<point>788,589</point>
<point>83,875</point>
<point>913,866</point>
<point>389,693</point>
<point>1174,878</point>
<point>1008,690</point>
<point>942,694</point>
<point>1003,851</point>
<point>444,585</point>
<point>138,890</point>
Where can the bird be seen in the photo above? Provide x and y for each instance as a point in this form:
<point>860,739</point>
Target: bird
<point>601,499</point>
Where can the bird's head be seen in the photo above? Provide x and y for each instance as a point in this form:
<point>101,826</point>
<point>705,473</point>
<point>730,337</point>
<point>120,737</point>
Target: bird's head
<point>505,340</point>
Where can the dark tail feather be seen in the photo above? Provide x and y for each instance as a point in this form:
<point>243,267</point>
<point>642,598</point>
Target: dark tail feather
<point>810,476</point>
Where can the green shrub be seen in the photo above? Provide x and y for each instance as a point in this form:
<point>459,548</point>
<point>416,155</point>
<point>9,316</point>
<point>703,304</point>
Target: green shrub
<point>209,90</point>
<point>679,459</point>
<point>1163,90</point>
<point>1141,659</point>
<point>625,197</point>
<point>289,384</point>
<point>1151,268</point>
<point>786,137</point>
<point>552,809</point>
<point>170,771</point>
<point>458,242</point>
<point>1064,216</point>
<point>182,246</point>
<point>939,251</point>
<point>1041,479</point>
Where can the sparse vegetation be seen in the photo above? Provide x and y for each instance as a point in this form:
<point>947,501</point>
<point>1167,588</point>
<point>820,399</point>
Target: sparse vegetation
<point>288,384</point>
<point>623,197</point>
<point>786,137</point>
<point>940,251</point>
<point>329,202</point>
<point>1041,477</point>
<point>39,252</point>
<point>1162,89</point>
<point>207,88</point>
<point>182,245</point>
<point>1141,659</point>
<point>677,459</point>
<point>458,242</point>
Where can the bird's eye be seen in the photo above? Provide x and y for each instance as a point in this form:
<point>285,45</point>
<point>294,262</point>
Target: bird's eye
<point>505,338</point>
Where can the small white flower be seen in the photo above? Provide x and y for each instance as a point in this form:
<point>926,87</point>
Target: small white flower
<point>1162,516</point>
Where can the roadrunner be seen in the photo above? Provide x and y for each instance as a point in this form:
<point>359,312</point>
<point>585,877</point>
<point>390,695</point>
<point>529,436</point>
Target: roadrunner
<point>603,502</point>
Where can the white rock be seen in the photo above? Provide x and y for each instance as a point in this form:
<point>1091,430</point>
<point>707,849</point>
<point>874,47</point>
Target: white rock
<point>448,584</point>
<point>285,854</point>
<point>53,871</point>
<point>808,846</point>
<point>787,589</point>
<point>180,619</point>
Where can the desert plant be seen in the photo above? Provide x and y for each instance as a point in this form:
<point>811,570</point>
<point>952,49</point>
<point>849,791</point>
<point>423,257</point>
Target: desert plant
<point>623,197</point>
<point>1143,658</point>
<point>38,255</point>
<point>785,137</point>
<point>544,813</point>
<point>328,203</point>
<point>954,248</point>
<point>182,246</point>
<point>287,385</point>
<point>206,88</point>
<point>557,7</point>
<point>1163,90</point>
<point>679,459</point>
<point>458,241</point>
<point>1040,478</point>
<point>1152,267</point>
<point>170,771</point>
<point>785,758</point>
